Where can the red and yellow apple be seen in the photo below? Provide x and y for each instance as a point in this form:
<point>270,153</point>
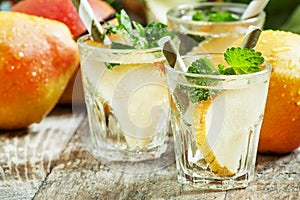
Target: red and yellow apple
<point>37,59</point>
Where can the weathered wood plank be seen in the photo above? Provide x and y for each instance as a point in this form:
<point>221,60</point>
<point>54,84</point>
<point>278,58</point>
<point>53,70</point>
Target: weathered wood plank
<point>41,163</point>
<point>78,175</point>
<point>27,156</point>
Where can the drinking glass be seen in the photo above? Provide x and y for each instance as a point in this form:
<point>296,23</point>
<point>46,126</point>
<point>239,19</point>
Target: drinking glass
<point>216,136</point>
<point>127,102</point>
<point>210,36</point>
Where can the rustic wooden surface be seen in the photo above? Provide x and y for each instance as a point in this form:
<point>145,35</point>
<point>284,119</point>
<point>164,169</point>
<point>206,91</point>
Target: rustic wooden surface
<point>48,161</point>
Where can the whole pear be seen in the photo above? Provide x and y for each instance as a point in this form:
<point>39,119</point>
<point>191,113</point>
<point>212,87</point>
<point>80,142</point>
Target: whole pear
<point>37,59</point>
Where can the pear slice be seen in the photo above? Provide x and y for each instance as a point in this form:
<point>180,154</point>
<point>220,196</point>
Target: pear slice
<point>147,114</point>
<point>223,125</point>
<point>138,96</point>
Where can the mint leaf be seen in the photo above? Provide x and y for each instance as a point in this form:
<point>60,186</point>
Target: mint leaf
<point>139,40</point>
<point>243,61</point>
<point>139,36</point>
<point>111,65</point>
<point>198,16</point>
<point>200,66</point>
<point>154,31</point>
<point>198,94</point>
<point>217,16</point>
<point>212,15</point>
<point>240,61</point>
<point>127,25</point>
<point>124,21</point>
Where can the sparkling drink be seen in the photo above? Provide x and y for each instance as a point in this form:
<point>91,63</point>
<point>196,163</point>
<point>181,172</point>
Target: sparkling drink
<point>210,36</point>
<point>216,138</point>
<point>127,101</point>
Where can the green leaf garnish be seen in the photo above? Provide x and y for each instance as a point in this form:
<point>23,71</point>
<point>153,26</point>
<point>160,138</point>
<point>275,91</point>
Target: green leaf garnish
<point>240,61</point>
<point>198,16</point>
<point>200,66</point>
<point>111,65</point>
<point>154,31</point>
<point>243,61</point>
<point>212,15</point>
<point>140,37</point>
<point>124,21</point>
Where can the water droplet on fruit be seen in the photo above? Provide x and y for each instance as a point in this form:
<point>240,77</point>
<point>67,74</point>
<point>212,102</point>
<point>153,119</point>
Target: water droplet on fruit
<point>10,68</point>
<point>283,94</point>
<point>281,49</point>
<point>293,119</point>
<point>291,64</point>
<point>273,84</point>
<point>34,73</point>
<point>21,54</point>
<point>285,85</point>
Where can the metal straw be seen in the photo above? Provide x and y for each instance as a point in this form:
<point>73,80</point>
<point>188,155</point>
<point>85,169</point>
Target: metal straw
<point>88,18</point>
<point>251,38</point>
<point>254,8</point>
<point>171,53</point>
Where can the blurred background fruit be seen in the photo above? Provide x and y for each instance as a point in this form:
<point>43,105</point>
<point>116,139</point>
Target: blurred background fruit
<point>38,58</point>
<point>280,132</point>
<point>281,126</point>
<point>63,11</point>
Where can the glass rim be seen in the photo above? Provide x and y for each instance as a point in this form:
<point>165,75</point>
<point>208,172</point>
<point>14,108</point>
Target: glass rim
<point>264,71</point>
<point>81,43</point>
<point>197,4</point>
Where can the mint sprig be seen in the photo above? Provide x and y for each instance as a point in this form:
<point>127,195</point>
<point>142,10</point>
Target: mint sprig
<point>212,15</point>
<point>139,36</point>
<point>240,61</point>
<point>200,66</point>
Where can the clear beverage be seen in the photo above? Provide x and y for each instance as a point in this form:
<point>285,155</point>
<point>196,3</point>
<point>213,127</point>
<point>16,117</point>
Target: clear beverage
<point>215,140</point>
<point>127,101</point>
<point>213,37</point>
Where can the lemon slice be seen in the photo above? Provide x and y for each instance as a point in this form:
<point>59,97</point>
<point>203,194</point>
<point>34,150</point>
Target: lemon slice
<point>157,9</point>
<point>224,124</point>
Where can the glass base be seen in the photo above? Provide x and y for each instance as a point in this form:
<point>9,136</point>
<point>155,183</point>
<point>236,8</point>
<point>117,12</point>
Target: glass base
<point>138,162</point>
<point>215,184</point>
<point>126,160</point>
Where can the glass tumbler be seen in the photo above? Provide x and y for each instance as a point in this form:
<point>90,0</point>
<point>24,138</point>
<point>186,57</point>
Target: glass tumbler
<point>127,102</point>
<point>216,136</point>
<point>213,37</point>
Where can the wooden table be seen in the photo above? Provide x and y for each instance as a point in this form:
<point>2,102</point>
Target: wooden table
<point>48,161</point>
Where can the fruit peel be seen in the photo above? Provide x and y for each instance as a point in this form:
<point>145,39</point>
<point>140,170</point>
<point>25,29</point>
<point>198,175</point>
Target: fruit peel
<point>38,57</point>
<point>281,126</point>
<point>63,11</point>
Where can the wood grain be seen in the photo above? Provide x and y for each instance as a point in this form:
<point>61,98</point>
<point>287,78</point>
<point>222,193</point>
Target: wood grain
<point>49,161</point>
<point>27,156</point>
